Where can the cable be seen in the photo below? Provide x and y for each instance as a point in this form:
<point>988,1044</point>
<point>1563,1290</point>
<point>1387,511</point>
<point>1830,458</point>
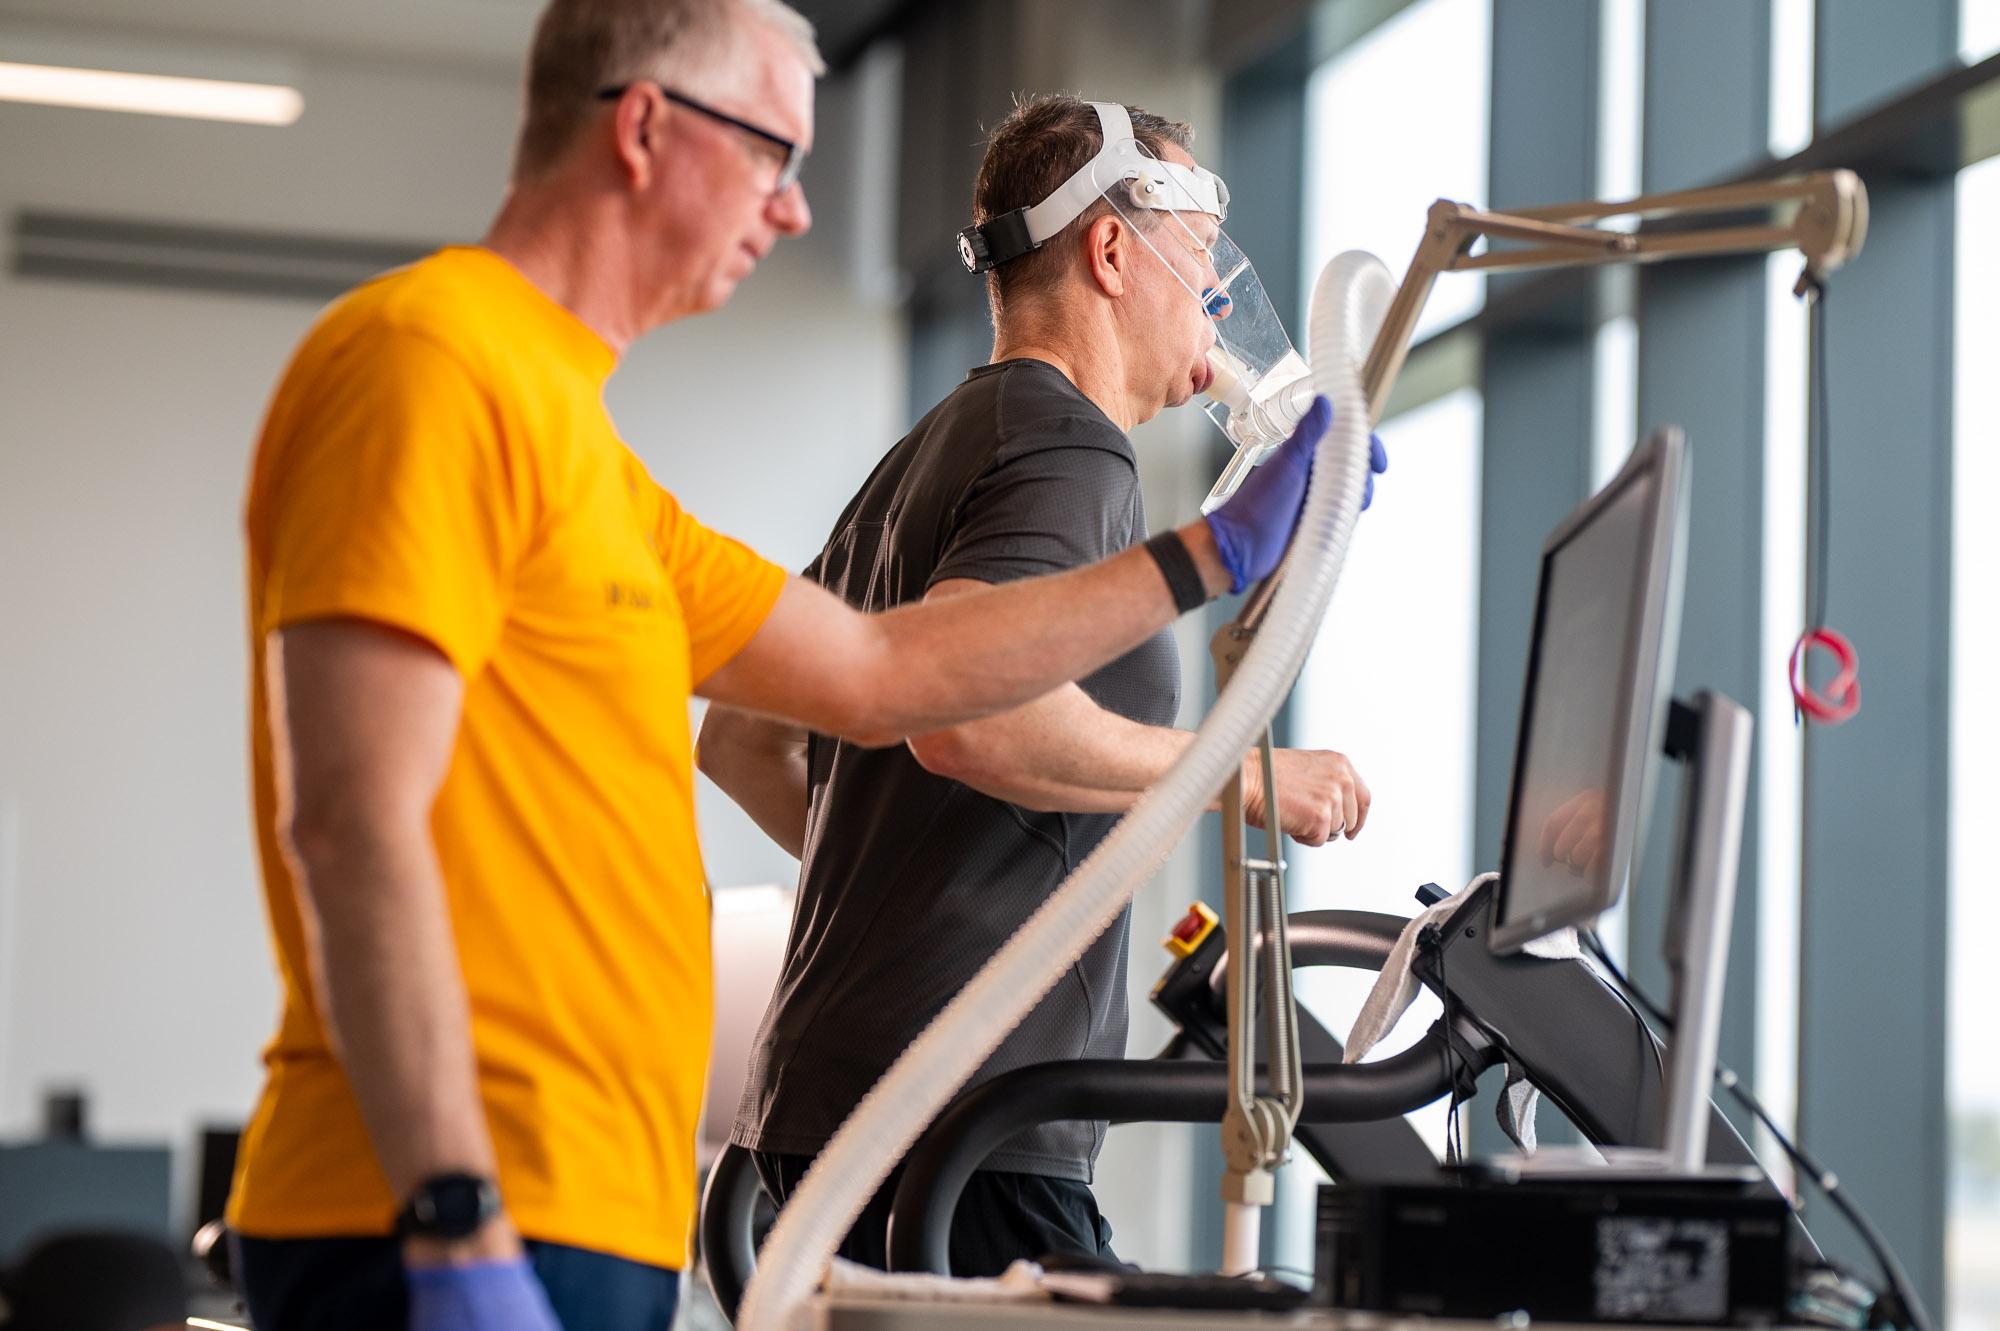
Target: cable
<point>1652,1042</point>
<point>1819,455</point>
<point>1625,988</point>
<point>1454,1143</point>
<point>1842,697</point>
<point>1902,1296</point>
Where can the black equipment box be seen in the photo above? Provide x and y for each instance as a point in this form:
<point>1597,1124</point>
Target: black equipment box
<point>1605,1250</point>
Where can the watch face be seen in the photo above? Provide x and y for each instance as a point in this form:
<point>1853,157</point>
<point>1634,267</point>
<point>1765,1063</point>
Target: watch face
<point>455,1202</point>
<point>965,253</point>
<point>452,1206</point>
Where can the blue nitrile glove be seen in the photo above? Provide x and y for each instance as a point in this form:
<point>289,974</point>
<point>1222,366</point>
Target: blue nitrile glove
<point>1254,525</point>
<point>1378,462</point>
<point>485,1296</point>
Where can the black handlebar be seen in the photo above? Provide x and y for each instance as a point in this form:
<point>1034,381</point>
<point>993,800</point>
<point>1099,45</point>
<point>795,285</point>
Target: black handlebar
<point>729,1203</point>
<point>1557,1020</point>
<point>1124,1091</point>
<point>1111,1089</point>
<point>1354,939</point>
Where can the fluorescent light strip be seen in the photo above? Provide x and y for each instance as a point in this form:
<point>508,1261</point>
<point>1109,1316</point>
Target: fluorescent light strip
<point>150,94</point>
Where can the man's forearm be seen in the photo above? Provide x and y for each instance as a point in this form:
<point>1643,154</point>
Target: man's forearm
<point>387,975</point>
<point>1061,753</point>
<point>967,656</point>
<point>760,763</point>
<point>878,678</point>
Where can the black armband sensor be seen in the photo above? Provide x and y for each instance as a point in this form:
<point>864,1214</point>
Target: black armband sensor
<point>1177,566</point>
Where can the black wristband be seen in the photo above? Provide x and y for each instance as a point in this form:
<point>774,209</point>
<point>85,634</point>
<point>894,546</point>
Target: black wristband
<point>1170,552</point>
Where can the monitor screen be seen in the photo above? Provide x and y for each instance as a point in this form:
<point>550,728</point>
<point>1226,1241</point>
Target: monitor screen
<point>1594,701</point>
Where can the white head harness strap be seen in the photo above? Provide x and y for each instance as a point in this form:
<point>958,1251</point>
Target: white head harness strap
<point>1120,159</point>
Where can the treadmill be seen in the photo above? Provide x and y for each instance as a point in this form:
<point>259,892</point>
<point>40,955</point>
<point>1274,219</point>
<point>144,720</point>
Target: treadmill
<point>1554,1022</point>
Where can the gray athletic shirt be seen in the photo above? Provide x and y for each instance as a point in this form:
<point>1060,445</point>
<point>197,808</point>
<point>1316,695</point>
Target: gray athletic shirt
<point>911,881</point>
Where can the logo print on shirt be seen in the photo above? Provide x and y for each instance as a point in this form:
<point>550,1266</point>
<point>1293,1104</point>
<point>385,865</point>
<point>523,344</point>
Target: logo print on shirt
<point>624,595</point>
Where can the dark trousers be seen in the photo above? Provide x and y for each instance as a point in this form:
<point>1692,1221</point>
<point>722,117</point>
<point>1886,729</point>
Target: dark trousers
<point>1001,1216</point>
<point>357,1285</point>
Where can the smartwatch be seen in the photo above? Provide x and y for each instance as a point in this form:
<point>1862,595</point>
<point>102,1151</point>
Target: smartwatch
<point>448,1206</point>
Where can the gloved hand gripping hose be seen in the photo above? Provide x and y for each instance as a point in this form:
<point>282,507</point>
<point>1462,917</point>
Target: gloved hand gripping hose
<point>1348,302</point>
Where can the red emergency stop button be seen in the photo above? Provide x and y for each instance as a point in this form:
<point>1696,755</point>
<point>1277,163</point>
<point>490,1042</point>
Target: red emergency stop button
<point>1189,932</point>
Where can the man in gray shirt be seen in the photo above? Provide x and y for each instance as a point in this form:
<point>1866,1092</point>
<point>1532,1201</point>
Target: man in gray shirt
<point>919,861</point>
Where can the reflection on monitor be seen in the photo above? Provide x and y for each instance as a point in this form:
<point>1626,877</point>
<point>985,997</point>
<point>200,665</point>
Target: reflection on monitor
<point>1596,698</point>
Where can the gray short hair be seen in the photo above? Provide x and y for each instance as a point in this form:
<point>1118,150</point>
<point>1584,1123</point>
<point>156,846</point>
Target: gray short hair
<point>584,45</point>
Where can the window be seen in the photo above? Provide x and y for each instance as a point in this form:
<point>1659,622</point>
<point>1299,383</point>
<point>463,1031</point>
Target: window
<point>1389,684</point>
<point>1395,122</point>
<point>1972,1277</point>
<point>1978,29</point>
<point>1780,746</point>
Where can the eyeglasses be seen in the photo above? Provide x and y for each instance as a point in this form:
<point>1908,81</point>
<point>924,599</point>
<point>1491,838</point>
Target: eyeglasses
<point>792,157</point>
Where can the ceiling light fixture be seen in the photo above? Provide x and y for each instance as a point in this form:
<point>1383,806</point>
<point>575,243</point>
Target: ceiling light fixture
<point>151,94</point>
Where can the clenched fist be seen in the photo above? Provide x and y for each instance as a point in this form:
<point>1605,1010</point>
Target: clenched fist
<point>1320,795</point>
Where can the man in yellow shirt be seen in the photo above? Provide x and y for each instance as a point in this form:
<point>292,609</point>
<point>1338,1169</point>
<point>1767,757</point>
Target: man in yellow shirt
<point>476,623</point>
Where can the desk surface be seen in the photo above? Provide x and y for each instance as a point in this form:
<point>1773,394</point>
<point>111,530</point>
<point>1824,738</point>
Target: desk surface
<point>848,1312</point>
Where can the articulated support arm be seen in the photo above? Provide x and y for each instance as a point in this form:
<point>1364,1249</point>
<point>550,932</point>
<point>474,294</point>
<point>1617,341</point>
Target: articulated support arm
<point>1827,221</point>
<point>1824,216</point>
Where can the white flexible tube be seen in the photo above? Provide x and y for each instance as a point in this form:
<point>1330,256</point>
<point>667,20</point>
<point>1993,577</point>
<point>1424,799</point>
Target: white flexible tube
<point>1348,303</point>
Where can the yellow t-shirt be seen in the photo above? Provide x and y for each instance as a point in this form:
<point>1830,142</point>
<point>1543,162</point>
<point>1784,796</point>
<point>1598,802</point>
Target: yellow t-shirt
<point>438,458</point>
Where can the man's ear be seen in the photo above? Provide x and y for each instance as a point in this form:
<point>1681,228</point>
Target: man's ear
<point>1107,250</point>
<point>635,122</point>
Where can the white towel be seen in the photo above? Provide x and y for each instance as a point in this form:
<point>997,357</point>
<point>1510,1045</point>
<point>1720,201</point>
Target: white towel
<point>1396,988</point>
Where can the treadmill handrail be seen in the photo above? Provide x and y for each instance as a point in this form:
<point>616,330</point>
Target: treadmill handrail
<point>945,1157</point>
<point>1608,1098</point>
<point>937,1168</point>
<point>1356,939</point>
<point>1361,940</point>
<point>1587,1061</point>
<point>727,1228</point>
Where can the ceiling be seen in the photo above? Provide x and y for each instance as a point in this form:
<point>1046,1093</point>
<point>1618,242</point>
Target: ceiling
<point>845,26</point>
<point>461,32</point>
<point>481,33</point>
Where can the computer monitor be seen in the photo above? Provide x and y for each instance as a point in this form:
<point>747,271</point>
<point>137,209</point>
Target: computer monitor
<point>1593,710</point>
<point>215,1170</point>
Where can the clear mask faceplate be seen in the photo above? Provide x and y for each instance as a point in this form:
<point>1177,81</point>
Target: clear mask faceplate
<point>1260,384</point>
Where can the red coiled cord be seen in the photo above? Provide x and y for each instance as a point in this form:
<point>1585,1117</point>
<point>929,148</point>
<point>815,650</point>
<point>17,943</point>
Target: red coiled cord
<point>1842,696</point>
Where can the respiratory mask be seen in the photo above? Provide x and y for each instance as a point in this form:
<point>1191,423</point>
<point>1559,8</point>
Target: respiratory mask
<point>1261,386</point>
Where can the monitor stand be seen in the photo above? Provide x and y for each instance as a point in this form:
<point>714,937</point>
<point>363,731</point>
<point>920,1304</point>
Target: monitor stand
<point>1710,738</point>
